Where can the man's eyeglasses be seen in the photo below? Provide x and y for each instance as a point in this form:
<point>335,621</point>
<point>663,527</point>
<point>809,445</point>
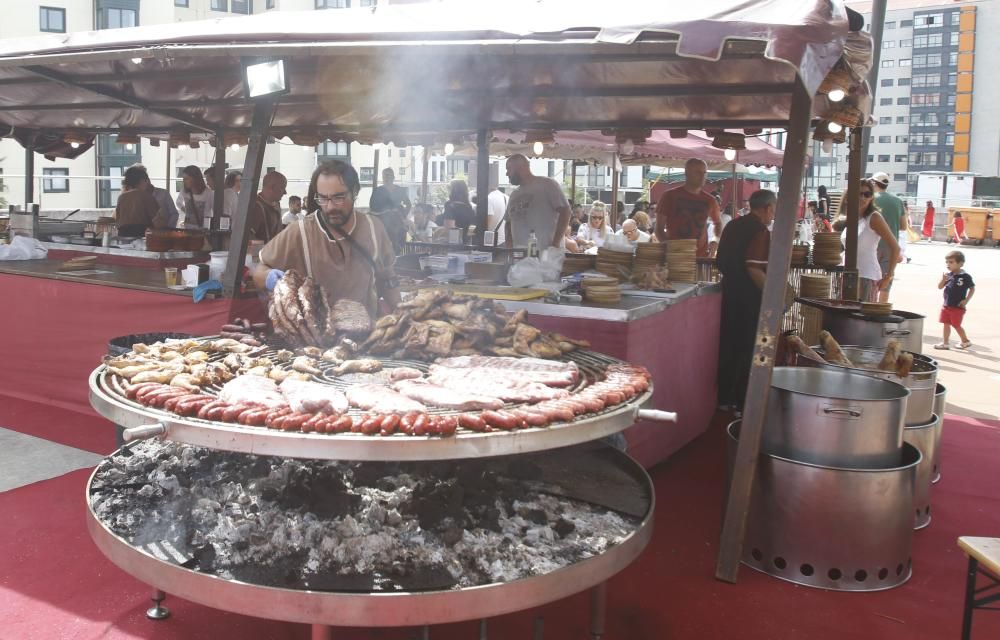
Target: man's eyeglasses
<point>866,194</point>
<point>337,198</point>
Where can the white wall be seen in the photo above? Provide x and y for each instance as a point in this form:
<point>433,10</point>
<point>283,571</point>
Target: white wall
<point>984,150</point>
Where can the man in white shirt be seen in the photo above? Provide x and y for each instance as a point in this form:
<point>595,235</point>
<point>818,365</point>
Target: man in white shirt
<point>630,231</point>
<point>294,211</point>
<point>537,206</point>
<point>497,205</point>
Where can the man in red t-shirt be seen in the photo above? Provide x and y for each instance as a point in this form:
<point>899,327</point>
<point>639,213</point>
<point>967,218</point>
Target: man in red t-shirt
<point>683,212</point>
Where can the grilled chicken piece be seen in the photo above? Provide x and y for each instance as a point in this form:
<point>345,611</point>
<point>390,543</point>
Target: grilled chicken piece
<point>524,335</point>
<point>365,365</point>
<point>312,352</point>
<point>129,372</point>
<point>305,364</point>
<point>284,355</point>
<point>186,381</point>
<point>163,376</point>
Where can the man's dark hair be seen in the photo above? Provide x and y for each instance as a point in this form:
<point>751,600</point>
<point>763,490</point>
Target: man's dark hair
<point>333,168</point>
<point>294,199</point>
<point>232,177</point>
<point>135,176</point>
<point>762,198</point>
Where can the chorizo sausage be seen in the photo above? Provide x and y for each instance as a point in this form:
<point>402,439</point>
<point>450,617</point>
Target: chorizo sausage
<point>294,421</point>
<point>340,425</point>
<point>406,422</point>
<point>532,418</point>
<point>472,422</point>
<point>499,420</point>
<point>447,425</point>
<point>372,425</point>
<point>190,407</point>
<point>205,408</point>
<point>215,413</point>
<point>421,425</point>
<point>132,390</point>
<point>312,424</point>
<point>171,403</point>
<point>233,411</point>
<point>390,424</point>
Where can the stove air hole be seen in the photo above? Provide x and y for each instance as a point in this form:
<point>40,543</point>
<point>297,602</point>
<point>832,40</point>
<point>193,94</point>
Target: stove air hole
<point>834,574</point>
<point>883,573</point>
<point>927,511</point>
<point>807,570</point>
<point>860,575</point>
<point>757,555</point>
<point>899,569</point>
<point>780,563</point>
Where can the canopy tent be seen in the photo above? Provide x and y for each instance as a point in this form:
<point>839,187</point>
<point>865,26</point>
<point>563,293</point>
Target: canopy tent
<point>675,175</point>
<point>414,74</point>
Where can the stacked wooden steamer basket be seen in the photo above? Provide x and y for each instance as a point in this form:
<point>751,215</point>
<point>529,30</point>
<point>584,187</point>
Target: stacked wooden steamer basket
<point>601,289</point>
<point>851,440</point>
<point>682,261</point>
<point>813,285</point>
<point>614,264</point>
<point>649,255</point>
<point>826,249</point>
<point>577,263</point>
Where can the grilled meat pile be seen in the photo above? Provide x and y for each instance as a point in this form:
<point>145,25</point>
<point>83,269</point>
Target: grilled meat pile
<point>302,314</point>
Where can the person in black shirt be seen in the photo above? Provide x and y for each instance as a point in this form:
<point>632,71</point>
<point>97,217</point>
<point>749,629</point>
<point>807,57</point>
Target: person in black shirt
<point>458,211</point>
<point>958,291</point>
<point>391,204</point>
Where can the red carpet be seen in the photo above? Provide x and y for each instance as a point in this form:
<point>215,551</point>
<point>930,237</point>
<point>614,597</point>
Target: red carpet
<point>57,585</point>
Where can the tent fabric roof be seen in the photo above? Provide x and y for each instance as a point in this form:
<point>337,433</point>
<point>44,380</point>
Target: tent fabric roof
<point>419,72</point>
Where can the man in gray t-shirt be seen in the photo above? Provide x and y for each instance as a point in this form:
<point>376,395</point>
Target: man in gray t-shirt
<point>894,214</point>
<point>538,205</point>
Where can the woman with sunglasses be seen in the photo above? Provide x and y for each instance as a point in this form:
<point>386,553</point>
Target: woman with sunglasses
<point>872,227</point>
<point>596,231</point>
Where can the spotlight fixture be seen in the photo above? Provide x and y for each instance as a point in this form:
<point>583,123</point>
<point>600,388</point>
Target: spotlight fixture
<point>538,147</point>
<point>263,79</point>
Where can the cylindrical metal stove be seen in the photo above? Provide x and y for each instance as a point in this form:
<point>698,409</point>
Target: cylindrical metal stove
<point>828,527</point>
<point>839,418</point>
<point>921,436</point>
<point>940,395</point>
<point>876,331</point>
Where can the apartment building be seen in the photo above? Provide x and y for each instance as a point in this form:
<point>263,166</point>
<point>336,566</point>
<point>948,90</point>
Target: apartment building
<point>930,113</point>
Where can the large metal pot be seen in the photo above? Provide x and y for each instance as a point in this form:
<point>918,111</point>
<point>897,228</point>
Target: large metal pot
<point>829,527</point>
<point>922,436</point>
<point>836,418</point>
<point>875,331</point>
<point>921,381</point>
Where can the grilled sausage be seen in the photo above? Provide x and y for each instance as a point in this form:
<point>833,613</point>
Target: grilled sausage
<point>447,425</point>
<point>471,422</point>
<point>254,417</point>
<point>555,413</point>
<point>312,424</point>
<point>171,403</point>
<point>216,412</point>
<point>593,402</point>
<point>190,407</point>
<point>531,418</point>
<point>145,392</point>
<point>499,420</point>
<point>234,410</point>
<point>132,390</point>
<point>160,397</point>
<point>422,425</point>
<point>339,425</point>
<point>294,421</point>
<point>372,425</point>
<point>233,328</point>
<point>205,408</point>
<point>390,424</point>
<point>406,422</point>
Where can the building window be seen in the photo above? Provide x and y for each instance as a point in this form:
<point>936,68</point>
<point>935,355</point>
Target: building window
<point>885,120</point>
<point>269,4</point>
<point>888,44</point>
<point>53,183</point>
<point>899,177</point>
<point>884,158</point>
<point>951,99</point>
<point>243,6</point>
<point>328,150</point>
<point>117,14</point>
<point>886,64</point>
<point>901,139</point>
<point>950,119</point>
<point>402,172</point>
<point>905,23</point>
<point>900,119</point>
<point>929,20</point>
<point>905,44</point>
<point>889,25</point>
<point>949,139</point>
<point>926,80</point>
<point>887,82</point>
<point>905,62</point>
<point>220,5</point>
<point>52,20</point>
<point>368,3</point>
<point>933,40</point>
<point>946,158</point>
<point>367,174</point>
<point>402,152</point>
<point>885,139</point>
<point>871,158</point>
<point>914,157</point>
<point>885,101</point>
<point>181,3</point>
<point>926,99</point>
<point>929,157</point>
<point>952,79</point>
<point>902,101</point>
<point>112,160</point>
<point>903,82</point>
<point>928,60</point>
<point>900,158</point>
<point>333,4</point>
<point>551,168</point>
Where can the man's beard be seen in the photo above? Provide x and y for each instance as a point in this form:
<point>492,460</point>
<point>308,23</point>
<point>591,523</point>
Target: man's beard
<point>339,218</point>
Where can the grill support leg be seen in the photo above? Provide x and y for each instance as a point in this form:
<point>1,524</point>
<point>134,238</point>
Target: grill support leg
<point>539,629</point>
<point>158,611</point>
<point>483,631</point>
<point>425,633</point>
<point>970,598</point>
<point>598,610</point>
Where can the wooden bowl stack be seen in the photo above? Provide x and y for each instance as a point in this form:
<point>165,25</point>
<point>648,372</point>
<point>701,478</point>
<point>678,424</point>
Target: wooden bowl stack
<point>682,261</point>
<point>876,308</point>
<point>649,255</point>
<point>601,290</point>
<point>800,255</point>
<point>577,263</point>
<point>826,249</point>
<point>813,285</point>
<point>614,264</point>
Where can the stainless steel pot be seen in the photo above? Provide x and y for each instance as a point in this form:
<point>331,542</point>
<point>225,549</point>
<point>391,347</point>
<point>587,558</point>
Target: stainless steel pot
<point>940,394</point>
<point>832,528</point>
<point>922,436</point>
<point>857,328</point>
<point>921,382</point>
<point>837,418</point>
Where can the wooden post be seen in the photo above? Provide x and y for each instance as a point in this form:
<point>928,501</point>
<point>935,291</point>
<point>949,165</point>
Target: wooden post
<point>768,333</point>
<point>219,196</point>
<point>375,172</point>
<point>482,183</point>
<point>263,113</point>
<point>877,27</point>
<point>572,184</point>
<point>169,179</point>
<point>423,177</point>
<point>849,291</point>
<point>615,176</point>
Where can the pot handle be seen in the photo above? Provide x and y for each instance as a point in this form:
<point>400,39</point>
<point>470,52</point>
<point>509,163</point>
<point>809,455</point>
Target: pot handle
<point>852,413</point>
<point>656,415</point>
<point>897,332</point>
<point>144,432</point>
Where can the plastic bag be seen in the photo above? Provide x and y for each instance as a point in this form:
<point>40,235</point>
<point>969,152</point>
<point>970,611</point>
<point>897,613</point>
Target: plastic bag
<point>531,272</point>
<point>23,248</point>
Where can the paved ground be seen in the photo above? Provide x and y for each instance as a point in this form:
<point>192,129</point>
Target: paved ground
<point>972,377</point>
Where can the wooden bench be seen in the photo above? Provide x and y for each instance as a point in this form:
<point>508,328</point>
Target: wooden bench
<point>984,558</point>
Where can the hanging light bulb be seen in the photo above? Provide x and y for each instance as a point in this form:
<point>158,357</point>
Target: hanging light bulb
<point>628,147</point>
<point>449,149</point>
<point>730,154</point>
<point>75,145</point>
<point>136,60</point>
<point>836,95</point>
<point>234,147</point>
<point>537,148</point>
<point>833,127</point>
